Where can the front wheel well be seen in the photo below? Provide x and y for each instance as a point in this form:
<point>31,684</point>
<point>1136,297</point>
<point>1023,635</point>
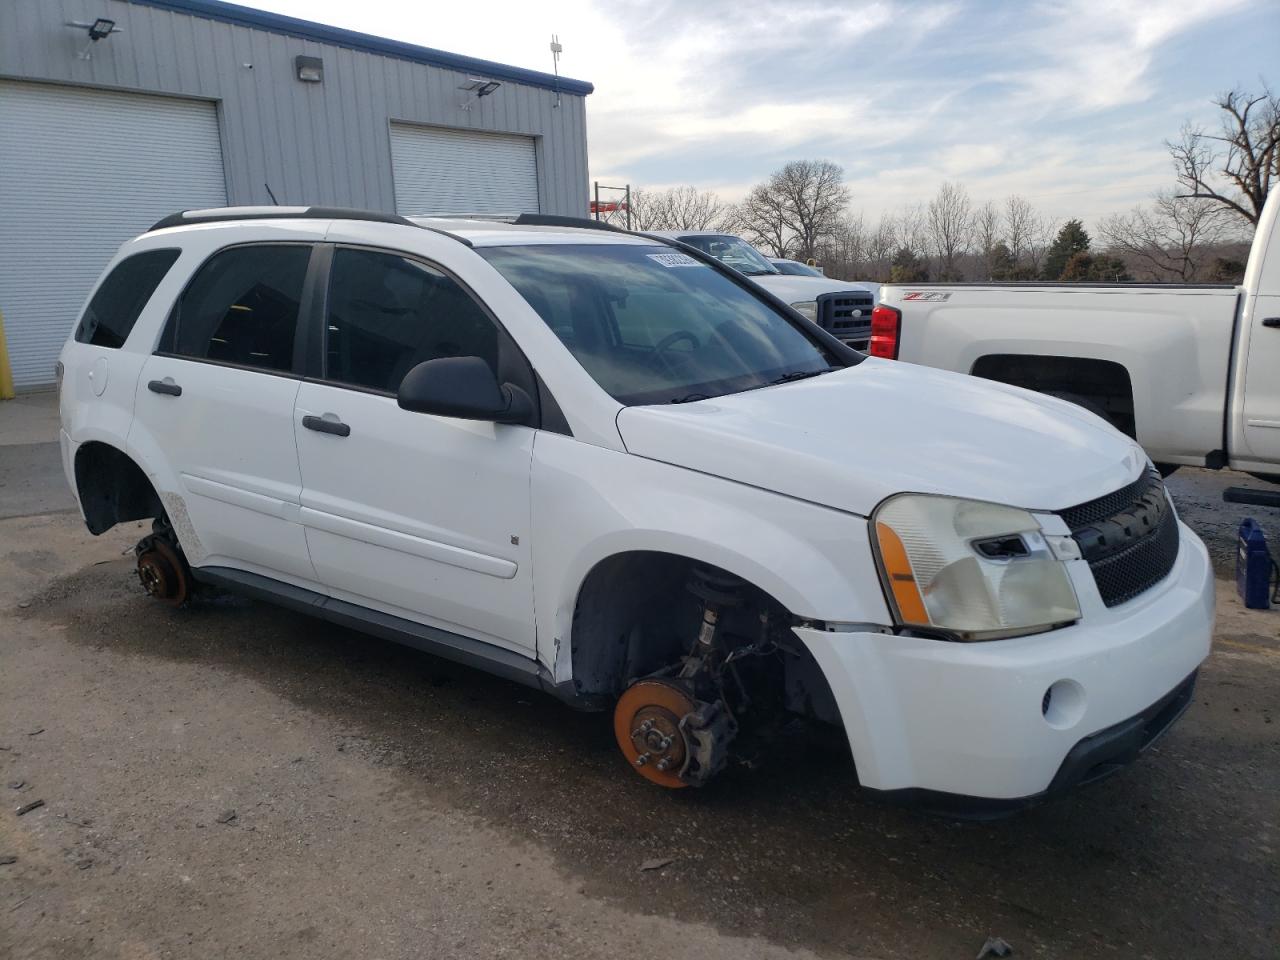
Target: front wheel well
<point>1104,385</point>
<point>635,615</point>
<point>112,488</point>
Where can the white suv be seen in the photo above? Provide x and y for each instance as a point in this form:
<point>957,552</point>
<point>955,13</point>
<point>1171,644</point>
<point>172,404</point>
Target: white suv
<point>618,471</point>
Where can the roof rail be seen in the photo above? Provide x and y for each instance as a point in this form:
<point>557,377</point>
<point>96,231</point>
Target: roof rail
<point>220,214</point>
<point>552,220</point>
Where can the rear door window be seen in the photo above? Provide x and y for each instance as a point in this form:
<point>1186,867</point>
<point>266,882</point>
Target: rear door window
<point>388,313</point>
<point>241,308</point>
<point>119,299</point>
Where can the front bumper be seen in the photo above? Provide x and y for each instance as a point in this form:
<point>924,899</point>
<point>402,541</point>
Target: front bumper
<point>967,722</point>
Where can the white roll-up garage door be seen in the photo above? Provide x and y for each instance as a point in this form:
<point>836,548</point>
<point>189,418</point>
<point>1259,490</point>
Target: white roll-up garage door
<point>462,171</point>
<point>81,171</point>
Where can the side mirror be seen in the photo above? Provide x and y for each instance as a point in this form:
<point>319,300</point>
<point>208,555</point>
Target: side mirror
<point>463,387</point>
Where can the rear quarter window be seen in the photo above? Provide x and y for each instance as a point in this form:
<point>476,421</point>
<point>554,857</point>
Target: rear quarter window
<point>119,299</point>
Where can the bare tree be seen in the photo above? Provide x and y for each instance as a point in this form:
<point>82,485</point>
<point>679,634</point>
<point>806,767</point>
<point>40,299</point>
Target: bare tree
<point>843,252</point>
<point>1021,222</point>
<point>646,209</point>
<point>688,208</point>
<point>1039,240</point>
<point>881,244</point>
<point>987,227</point>
<point>1247,146</point>
<point>950,227</point>
<point>796,208</point>
<point>761,218</point>
<point>1168,240</point>
<point>911,230</point>
<point>677,208</point>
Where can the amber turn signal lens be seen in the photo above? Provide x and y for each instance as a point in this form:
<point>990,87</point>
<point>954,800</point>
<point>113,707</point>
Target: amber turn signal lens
<point>902,580</point>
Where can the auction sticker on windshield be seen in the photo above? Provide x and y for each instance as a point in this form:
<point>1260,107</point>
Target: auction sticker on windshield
<point>674,259</point>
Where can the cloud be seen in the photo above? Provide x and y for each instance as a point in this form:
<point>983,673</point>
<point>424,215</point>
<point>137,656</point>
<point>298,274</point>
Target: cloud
<point>1091,55</point>
<point>1066,101</point>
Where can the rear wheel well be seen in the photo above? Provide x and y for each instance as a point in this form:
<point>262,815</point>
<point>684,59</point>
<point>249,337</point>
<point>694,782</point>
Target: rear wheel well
<point>634,615</point>
<point>112,488</point>
<point>1104,384</point>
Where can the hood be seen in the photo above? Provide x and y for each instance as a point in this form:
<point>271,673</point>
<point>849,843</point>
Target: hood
<point>851,438</point>
<point>799,289</point>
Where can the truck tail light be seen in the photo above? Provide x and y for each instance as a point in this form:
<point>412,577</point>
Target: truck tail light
<point>886,325</point>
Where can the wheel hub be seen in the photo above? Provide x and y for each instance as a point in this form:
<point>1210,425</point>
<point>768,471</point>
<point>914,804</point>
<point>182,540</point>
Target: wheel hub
<point>161,572</point>
<point>647,725</point>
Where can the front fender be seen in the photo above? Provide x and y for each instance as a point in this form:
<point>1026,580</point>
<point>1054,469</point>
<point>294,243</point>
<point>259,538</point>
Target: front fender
<point>590,504</point>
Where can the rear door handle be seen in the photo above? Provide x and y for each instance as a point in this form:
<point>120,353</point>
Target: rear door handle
<point>326,425</point>
<point>1271,322</point>
<point>165,386</point>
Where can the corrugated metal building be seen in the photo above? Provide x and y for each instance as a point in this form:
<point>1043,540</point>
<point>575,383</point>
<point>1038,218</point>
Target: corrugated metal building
<point>197,103</point>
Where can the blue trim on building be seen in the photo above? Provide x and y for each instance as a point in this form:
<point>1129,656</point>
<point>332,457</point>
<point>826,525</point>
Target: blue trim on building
<point>307,30</point>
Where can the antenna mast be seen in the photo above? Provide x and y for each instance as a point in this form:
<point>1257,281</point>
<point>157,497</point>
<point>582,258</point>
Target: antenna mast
<point>556,50</point>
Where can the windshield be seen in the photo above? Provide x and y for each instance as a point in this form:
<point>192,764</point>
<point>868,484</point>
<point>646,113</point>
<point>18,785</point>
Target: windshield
<point>653,325</point>
<point>732,252</point>
<point>793,269</point>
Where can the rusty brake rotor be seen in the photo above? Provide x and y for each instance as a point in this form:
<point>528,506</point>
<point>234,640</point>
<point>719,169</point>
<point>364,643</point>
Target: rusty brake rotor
<point>646,723</point>
<point>162,572</point>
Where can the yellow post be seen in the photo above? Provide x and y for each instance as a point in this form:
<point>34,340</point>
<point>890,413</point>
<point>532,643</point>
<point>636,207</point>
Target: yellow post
<point>6,374</point>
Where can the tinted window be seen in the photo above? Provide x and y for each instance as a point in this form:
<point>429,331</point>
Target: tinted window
<point>652,325</point>
<point>389,313</point>
<point>242,307</point>
<point>120,298</point>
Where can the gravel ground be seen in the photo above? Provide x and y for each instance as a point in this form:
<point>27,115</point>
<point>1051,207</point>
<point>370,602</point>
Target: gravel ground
<point>234,779</point>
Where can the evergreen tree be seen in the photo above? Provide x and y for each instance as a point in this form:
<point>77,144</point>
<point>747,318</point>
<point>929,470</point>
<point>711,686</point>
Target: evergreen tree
<point>1001,263</point>
<point>1102,268</point>
<point>1071,239</point>
<point>908,268</point>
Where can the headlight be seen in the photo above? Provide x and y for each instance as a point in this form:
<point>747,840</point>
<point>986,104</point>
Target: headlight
<point>976,570</point>
<point>809,308</point>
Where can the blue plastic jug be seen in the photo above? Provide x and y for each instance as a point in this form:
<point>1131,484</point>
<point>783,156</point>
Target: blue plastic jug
<point>1253,566</point>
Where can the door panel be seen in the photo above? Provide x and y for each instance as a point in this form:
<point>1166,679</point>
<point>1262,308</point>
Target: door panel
<point>215,407</point>
<point>228,440</point>
<point>1262,382</point>
<point>425,516</point>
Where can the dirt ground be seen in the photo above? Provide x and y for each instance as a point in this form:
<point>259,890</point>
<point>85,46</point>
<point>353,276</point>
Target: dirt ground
<point>232,779</point>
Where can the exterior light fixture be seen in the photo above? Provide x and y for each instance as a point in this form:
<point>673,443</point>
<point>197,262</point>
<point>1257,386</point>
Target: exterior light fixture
<point>99,29</point>
<point>309,69</point>
<point>480,86</point>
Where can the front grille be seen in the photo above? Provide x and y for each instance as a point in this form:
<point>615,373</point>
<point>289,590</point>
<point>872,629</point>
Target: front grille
<point>1129,537</point>
<point>847,315</point>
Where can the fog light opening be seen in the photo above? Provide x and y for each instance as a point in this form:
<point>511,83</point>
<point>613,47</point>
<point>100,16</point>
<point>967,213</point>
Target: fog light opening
<point>1063,704</point>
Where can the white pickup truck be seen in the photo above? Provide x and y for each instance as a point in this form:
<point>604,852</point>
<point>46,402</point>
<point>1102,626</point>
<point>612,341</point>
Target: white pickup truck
<point>1190,371</point>
<point>840,307</point>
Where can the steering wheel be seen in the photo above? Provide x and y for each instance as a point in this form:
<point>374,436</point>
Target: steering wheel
<point>671,339</point>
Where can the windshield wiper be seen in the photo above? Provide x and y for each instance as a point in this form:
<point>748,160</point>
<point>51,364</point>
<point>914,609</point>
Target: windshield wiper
<point>691,397</point>
<point>799,375</point>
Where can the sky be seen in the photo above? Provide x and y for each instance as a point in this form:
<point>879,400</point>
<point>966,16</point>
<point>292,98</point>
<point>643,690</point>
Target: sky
<point>1066,103</point>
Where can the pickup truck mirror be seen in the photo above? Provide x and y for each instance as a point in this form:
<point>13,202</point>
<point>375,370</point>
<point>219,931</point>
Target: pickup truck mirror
<point>463,387</point>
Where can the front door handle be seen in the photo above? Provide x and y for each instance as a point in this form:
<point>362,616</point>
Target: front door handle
<point>326,425</point>
<point>1271,322</point>
<point>165,386</point>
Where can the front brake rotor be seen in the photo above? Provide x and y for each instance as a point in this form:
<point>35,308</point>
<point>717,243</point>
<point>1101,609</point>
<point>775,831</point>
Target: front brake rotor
<point>647,725</point>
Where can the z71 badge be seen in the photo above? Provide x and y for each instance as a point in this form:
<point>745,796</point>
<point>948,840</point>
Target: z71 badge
<point>929,296</point>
